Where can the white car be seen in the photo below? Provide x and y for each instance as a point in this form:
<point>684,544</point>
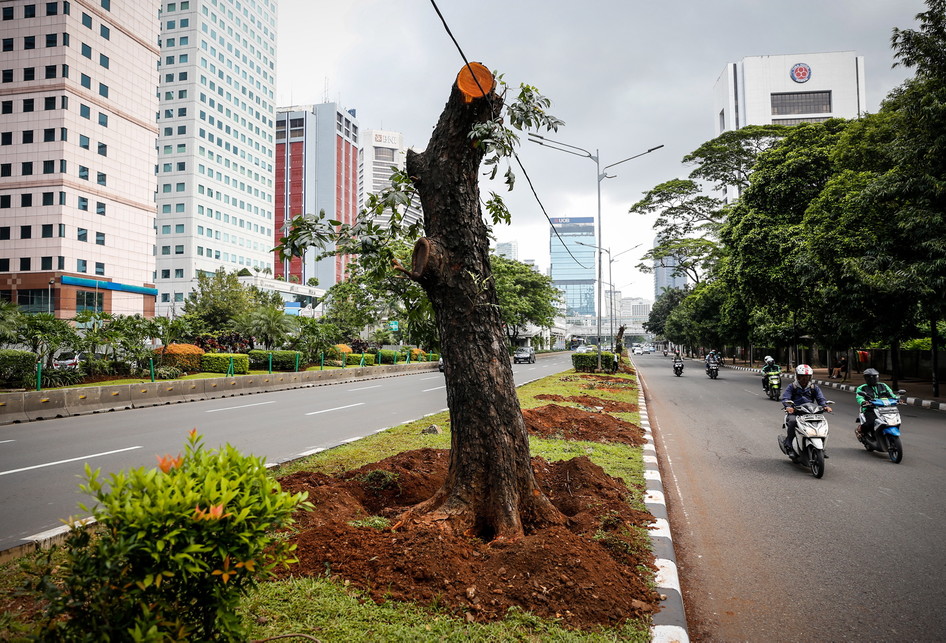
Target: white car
<point>638,351</point>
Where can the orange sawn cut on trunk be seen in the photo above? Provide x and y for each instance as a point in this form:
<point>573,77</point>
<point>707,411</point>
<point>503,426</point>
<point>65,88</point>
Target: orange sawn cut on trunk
<point>475,81</point>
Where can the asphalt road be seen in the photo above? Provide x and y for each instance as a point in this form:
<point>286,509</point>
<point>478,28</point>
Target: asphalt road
<point>42,463</point>
<point>767,552</point>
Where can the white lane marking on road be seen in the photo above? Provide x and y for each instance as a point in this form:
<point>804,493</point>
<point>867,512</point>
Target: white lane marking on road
<point>435,377</point>
<point>5,441</point>
<point>337,408</point>
<point>363,388</point>
<point>83,457</point>
<point>242,406</point>
<point>428,390</point>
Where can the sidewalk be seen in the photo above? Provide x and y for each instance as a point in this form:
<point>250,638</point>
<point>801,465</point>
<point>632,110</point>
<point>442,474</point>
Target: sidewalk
<point>919,392</point>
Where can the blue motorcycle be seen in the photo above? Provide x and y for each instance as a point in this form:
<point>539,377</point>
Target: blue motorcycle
<point>884,433</point>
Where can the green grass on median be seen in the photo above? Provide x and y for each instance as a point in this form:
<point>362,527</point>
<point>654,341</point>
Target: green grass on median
<point>333,611</point>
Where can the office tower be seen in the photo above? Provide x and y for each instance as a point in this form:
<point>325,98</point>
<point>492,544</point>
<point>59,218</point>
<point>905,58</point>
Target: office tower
<point>508,249</point>
<point>572,257</point>
<point>789,89</point>
<point>382,151</point>
<point>317,169</point>
<point>77,155</point>
<point>216,120</point>
<point>664,277</point>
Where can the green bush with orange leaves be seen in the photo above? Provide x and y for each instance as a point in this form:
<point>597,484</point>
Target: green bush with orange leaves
<point>173,551</point>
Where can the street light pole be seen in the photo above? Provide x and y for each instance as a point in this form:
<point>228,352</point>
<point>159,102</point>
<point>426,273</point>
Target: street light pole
<point>49,296</point>
<point>611,260</point>
<point>601,175</point>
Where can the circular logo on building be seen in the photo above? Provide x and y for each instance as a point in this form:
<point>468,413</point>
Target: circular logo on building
<point>800,73</point>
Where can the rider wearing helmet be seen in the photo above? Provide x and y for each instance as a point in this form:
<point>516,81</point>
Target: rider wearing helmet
<point>799,392</point>
<point>871,389</point>
<point>712,358</point>
<point>769,367</point>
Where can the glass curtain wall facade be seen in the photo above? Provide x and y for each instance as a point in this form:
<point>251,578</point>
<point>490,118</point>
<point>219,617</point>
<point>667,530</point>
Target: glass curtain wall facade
<point>573,265</point>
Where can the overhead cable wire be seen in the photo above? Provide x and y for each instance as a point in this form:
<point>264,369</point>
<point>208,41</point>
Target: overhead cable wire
<point>492,109</point>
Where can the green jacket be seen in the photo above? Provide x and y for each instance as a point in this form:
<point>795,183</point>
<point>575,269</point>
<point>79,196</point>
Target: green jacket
<point>772,368</point>
<point>866,392</point>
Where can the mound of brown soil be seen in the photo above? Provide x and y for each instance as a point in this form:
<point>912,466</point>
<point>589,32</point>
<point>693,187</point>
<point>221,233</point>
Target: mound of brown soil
<point>583,573</point>
<point>569,423</point>
<point>609,406</point>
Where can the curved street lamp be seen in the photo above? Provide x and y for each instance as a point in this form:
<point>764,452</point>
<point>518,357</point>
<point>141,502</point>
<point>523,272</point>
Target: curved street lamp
<point>601,175</point>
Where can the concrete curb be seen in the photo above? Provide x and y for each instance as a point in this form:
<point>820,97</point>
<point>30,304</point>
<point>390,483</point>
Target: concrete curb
<point>912,401</point>
<point>670,623</point>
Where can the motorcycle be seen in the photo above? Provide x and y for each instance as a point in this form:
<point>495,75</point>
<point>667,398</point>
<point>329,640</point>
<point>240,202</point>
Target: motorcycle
<point>678,368</point>
<point>773,385</point>
<point>811,433</point>
<point>884,434</point>
<point>712,369</point>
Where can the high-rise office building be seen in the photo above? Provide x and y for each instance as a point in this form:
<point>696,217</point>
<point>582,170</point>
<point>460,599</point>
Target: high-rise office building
<point>790,89</point>
<point>664,277</point>
<point>318,156</point>
<point>382,151</point>
<point>508,249</point>
<point>216,122</point>
<point>572,257</point>
<point>77,155</point>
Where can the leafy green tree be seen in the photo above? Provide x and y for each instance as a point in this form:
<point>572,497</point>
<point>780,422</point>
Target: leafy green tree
<point>10,319</point>
<point>45,334</point>
<point>525,296</point>
<point>271,326</point>
<point>315,337</point>
<point>728,160</point>
<point>217,298</point>
<point>666,301</point>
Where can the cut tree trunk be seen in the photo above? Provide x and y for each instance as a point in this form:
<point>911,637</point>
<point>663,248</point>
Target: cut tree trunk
<point>490,491</point>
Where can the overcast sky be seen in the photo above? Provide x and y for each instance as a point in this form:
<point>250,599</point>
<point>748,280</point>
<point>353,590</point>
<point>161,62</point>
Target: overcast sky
<point>624,75</point>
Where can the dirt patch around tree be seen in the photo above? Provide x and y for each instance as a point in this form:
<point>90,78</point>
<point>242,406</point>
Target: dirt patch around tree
<point>584,573</point>
<point>594,403</point>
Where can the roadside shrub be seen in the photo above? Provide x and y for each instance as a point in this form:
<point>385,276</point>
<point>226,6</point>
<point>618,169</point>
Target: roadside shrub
<point>167,373</point>
<point>355,359</point>
<point>588,362</point>
<point>14,364</point>
<point>173,551</point>
<point>387,357</point>
<point>336,351</point>
<point>220,363</point>
<point>53,377</point>
<point>282,360</point>
<point>183,356</point>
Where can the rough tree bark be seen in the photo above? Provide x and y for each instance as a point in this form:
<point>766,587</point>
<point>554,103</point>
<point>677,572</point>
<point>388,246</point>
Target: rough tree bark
<point>490,491</point>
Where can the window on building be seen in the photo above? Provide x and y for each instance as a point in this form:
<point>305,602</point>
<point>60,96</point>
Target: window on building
<point>6,169</point>
<point>82,235</point>
<point>8,44</point>
<point>52,8</point>
<point>86,20</point>
<point>49,198</point>
<point>790,103</point>
<point>86,51</point>
<point>103,60</point>
<point>81,266</point>
<point>29,73</point>
<point>83,204</point>
<point>100,208</point>
<point>178,250</point>
<point>105,32</point>
<point>45,263</point>
<point>49,134</point>
<point>99,268</point>
<point>83,141</point>
<point>29,42</point>
<point>103,90</point>
<point>26,200</point>
<point>49,167</point>
<point>28,104</point>
<point>49,103</point>
<point>103,119</point>
<point>52,40</point>
<point>102,149</point>
<point>83,172</point>
<point>4,233</point>
<point>26,232</point>
<point>26,169</point>
<point>29,11</point>
<point>85,111</point>
<point>178,273</point>
<point>47,231</point>
<point>25,264</point>
<point>100,238</point>
<point>101,178</point>
<point>5,201</point>
<point>85,80</point>
<point>6,138</point>
<point>50,71</point>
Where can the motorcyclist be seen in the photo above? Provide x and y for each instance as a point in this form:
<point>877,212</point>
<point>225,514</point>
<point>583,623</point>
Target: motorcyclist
<point>799,392</point>
<point>712,358</point>
<point>769,367</point>
<point>871,389</point>
<point>677,360</point>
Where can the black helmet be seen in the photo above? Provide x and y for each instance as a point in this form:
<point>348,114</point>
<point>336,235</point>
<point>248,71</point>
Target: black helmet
<point>870,376</point>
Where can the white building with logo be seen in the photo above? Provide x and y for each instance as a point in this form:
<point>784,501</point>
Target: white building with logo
<point>789,89</point>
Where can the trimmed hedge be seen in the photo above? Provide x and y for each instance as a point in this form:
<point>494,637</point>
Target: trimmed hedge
<point>15,364</point>
<point>588,362</point>
<point>220,363</point>
<point>282,360</point>
<point>183,356</point>
<point>354,359</point>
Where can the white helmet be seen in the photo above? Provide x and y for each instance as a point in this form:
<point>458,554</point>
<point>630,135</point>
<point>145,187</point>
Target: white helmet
<point>804,369</point>
<point>768,359</point>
